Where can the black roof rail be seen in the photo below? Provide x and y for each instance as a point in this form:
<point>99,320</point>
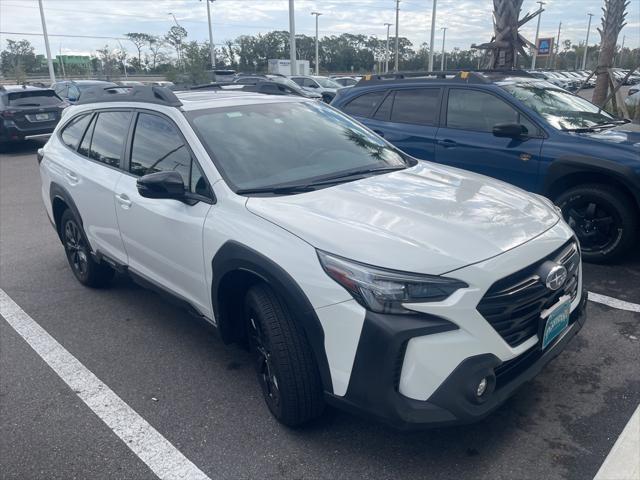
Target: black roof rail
<point>212,86</point>
<point>467,76</point>
<point>137,93</point>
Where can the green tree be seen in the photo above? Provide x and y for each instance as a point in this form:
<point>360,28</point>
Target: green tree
<point>175,37</point>
<point>18,59</point>
<point>139,40</point>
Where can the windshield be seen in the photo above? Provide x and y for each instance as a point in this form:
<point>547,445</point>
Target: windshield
<point>327,82</point>
<point>37,98</point>
<point>271,144</point>
<point>561,109</point>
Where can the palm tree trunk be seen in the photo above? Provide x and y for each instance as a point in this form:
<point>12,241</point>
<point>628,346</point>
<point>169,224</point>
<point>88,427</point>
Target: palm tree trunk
<point>613,20</point>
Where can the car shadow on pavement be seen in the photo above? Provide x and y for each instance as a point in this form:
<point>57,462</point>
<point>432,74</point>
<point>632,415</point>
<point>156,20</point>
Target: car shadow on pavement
<point>22,147</point>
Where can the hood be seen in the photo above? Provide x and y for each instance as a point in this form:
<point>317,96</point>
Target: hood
<point>624,135</point>
<point>425,219</point>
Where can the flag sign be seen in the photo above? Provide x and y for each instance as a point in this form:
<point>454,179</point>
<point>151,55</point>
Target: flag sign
<point>545,46</point>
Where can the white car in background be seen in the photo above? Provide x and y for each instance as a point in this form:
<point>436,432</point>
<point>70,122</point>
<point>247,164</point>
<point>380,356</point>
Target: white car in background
<point>322,85</point>
<point>358,276</point>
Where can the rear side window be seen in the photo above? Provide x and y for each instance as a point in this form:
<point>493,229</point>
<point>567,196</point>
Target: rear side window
<point>72,133</point>
<point>38,98</point>
<point>363,105</point>
<point>159,147</point>
<point>417,106</point>
<point>109,136</point>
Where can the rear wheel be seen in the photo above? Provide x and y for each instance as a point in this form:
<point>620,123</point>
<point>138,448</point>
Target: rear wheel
<point>84,267</point>
<point>604,219</point>
<point>287,372</point>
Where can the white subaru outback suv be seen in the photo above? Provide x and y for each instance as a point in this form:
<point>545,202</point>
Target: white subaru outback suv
<point>359,277</point>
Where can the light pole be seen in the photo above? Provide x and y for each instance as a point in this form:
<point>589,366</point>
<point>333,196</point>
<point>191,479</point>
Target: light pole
<point>52,75</point>
<point>397,44</point>
<point>317,14</point>
<point>433,34</point>
<point>535,48</point>
<point>586,44</point>
<point>444,35</point>
<point>179,49</point>
<point>555,53</point>
<point>212,48</point>
<point>292,37</point>
<point>386,57</point>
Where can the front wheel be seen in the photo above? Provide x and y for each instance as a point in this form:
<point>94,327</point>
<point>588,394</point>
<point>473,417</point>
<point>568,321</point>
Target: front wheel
<point>603,218</point>
<point>287,371</point>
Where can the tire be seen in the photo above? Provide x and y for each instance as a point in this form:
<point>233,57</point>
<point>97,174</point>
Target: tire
<point>88,272</point>
<point>605,220</point>
<point>287,371</point>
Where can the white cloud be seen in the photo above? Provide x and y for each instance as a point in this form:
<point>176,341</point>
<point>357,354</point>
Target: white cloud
<point>467,21</point>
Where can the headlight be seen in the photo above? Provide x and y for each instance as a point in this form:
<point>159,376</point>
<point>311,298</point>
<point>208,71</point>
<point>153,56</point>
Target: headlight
<point>384,291</point>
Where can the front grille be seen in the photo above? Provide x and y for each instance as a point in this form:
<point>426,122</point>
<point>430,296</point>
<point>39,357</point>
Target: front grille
<point>513,304</point>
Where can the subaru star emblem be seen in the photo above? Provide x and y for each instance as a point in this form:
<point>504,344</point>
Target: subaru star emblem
<point>556,277</point>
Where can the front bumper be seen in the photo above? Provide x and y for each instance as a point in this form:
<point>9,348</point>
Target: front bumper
<point>373,390</point>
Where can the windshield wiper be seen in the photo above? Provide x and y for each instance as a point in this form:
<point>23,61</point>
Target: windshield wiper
<point>597,126</point>
<point>309,187</point>
<point>282,189</point>
<point>356,173</point>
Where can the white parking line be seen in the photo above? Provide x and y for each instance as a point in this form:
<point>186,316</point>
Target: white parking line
<point>614,302</point>
<point>146,442</point>
<point>623,461</point>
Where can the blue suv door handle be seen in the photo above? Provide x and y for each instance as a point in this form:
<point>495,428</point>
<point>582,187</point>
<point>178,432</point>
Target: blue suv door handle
<point>447,143</point>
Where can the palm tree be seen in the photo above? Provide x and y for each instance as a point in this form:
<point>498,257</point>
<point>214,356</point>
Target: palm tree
<point>613,20</point>
<point>506,42</point>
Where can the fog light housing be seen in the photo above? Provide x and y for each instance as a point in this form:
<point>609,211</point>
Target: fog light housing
<point>482,387</point>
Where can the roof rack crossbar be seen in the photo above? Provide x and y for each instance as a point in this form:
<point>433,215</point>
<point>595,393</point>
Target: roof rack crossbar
<point>138,93</point>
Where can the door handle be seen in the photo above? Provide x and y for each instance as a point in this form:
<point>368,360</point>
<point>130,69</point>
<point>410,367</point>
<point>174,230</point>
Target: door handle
<point>379,133</point>
<point>123,200</point>
<point>447,143</point>
<point>71,176</point>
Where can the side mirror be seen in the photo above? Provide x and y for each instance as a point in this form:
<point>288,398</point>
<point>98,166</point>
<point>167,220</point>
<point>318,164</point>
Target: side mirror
<point>161,185</point>
<point>313,85</point>
<point>512,130</point>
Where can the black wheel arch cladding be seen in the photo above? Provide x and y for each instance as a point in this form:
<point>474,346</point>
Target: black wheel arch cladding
<point>59,193</point>
<point>236,257</point>
<point>609,172</point>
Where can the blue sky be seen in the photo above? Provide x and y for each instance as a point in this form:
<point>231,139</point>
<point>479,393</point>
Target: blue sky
<point>467,21</point>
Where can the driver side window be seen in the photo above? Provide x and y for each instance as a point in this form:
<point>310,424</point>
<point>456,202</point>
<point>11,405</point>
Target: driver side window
<point>158,147</point>
<point>481,111</point>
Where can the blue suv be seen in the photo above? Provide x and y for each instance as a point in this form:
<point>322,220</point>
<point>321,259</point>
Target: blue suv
<point>520,129</point>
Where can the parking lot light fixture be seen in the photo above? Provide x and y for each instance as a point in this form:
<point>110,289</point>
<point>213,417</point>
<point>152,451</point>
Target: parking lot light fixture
<point>292,37</point>
<point>444,36</point>
<point>52,75</point>
<point>212,48</point>
<point>535,49</point>
<point>317,14</point>
<point>397,40</point>
<point>386,57</point>
<point>433,35</point>
<point>586,44</point>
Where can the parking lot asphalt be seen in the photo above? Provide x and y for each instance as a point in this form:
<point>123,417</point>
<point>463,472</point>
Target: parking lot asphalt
<point>202,396</point>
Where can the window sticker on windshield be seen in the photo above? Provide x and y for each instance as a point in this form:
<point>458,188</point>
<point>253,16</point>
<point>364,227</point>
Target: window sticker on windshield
<point>234,114</point>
